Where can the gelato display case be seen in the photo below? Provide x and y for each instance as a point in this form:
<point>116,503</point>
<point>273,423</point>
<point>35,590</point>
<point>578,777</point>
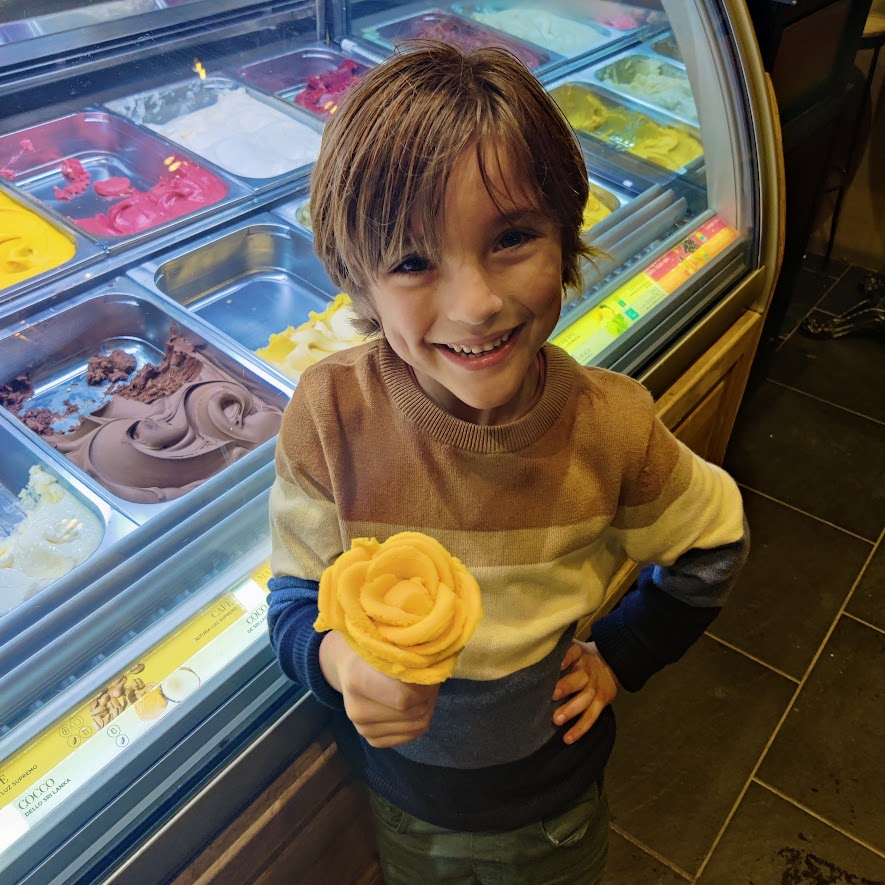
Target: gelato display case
<point>159,299</point>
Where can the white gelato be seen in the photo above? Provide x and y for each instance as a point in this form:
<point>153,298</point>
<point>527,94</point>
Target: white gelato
<point>657,82</point>
<point>244,136</point>
<point>560,35</point>
<point>57,534</point>
<point>293,350</point>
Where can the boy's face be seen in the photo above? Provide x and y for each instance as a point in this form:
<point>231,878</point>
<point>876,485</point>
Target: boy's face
<point>497,290</point>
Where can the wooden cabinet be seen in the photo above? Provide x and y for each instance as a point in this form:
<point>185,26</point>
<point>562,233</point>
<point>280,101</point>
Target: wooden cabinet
<point>311,826</point>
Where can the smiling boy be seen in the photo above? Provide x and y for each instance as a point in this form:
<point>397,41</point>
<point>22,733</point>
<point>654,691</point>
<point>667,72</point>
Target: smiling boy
<point>447,200</point>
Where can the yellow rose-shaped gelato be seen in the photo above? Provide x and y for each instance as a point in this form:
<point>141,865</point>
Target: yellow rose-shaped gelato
<point>407,606</point>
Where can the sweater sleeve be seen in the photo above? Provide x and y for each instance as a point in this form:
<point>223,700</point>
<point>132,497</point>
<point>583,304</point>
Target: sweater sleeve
<point>293,609</point>
<point>682,517</point>
<point>305,539</point>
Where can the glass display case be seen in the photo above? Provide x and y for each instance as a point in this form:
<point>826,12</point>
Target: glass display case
<point>156,264</point>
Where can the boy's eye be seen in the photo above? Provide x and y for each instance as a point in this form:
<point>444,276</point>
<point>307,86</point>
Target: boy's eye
<point>512,238</point>
<point>412,264</point>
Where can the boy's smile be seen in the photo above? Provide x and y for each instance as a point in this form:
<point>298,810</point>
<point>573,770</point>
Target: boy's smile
<point>471,327</point>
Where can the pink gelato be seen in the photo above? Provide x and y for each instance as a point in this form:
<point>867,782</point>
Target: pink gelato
<point>324,92</point>
<point>621,22</point>
<point>188,188</point>
<point>466,36</point>
<point>79,179</point>
<point>7,171</point>
<point>112,187</point>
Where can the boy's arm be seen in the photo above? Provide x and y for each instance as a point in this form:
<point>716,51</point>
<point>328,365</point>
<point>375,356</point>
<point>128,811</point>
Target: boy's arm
<point>305,538</point>
<point>290,618</point>
<point>686,517</point>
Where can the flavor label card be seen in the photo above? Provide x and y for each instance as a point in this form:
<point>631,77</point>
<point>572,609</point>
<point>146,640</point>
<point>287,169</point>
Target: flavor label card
<point>39,777</point>
<point>604,323</point>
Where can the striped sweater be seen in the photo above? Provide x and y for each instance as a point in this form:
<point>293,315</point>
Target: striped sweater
<point>542,511</point>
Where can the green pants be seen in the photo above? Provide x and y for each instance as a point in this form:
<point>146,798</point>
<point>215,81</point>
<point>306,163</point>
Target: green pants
<point>568,849</point>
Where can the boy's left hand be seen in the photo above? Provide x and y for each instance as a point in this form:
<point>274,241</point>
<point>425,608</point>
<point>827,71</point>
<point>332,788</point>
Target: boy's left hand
<point>591,684</point>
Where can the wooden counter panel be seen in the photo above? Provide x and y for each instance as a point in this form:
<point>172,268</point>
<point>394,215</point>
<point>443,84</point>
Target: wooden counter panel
<point>311,826</point>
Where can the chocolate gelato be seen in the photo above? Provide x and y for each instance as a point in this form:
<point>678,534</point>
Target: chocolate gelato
<point>15,394</point>
<point>118,366</point>
<point>170,429</point>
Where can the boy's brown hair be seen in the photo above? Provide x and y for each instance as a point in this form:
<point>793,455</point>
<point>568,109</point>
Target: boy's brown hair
<point>388,151</point>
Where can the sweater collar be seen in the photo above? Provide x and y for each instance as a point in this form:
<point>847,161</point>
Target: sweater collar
<point>408,397</point>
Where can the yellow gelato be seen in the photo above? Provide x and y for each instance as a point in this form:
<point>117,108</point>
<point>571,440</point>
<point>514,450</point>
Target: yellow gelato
<point>28,244</point>
<point>668,146</point>
<point>594,211</point>
<point>293,350</point>
<point>407,606</point>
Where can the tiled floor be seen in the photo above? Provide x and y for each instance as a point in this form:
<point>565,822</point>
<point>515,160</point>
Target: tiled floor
<point>759,759</point>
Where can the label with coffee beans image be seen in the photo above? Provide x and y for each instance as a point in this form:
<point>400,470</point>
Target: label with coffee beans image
<point>38,778</point>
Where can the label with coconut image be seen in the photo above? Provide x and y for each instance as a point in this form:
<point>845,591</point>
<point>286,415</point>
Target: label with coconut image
<point>39,777</point>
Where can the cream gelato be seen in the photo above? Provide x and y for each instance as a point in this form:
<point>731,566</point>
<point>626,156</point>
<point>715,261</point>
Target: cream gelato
<point>293,350</point>
<point>187,187</point>
<point>28,244</point>
<point>562,35</point>
<point>241,134</point>
<point>668,146</point>
<point>58,532</point>
<point>166,431</point>
<point>657,82</point>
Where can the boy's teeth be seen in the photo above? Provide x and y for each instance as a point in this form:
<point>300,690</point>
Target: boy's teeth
<point>485,348</point>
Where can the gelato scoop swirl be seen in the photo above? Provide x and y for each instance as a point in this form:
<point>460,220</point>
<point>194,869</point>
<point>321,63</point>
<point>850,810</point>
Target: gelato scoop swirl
<point>170,429</point>
<point>407,606</point>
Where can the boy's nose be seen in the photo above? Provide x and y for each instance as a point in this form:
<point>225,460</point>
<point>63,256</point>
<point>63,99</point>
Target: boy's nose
<point>470,299</point>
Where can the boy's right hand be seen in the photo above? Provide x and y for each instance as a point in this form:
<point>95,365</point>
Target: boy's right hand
<point>385,711</point>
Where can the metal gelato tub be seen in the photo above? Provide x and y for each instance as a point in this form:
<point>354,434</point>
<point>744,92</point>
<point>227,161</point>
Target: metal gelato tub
<point>289,77</point>
<point>297,213</point>
<point>236,128</point>
<point>52,342</point>
<point>13,235</point>
<point>557,34</point>
<point>72,155</point>
<point>649,81</point>
<point>667,47</point>
<point>450,28</point>
<point>669,144</point>
<point>249,282</point>
<point>20,455</point>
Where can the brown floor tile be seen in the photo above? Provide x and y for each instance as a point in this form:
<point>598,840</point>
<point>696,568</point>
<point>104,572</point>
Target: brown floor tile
<point>813,456</point>
<point>846,292</point>
<point>796,564</point>
<point>769,840</point>
<point>687,744</point>
<point>868,601</point>
<point>810,288</point>
<point>829,753</point>
<point>849,371</point>
<point>628,864</point>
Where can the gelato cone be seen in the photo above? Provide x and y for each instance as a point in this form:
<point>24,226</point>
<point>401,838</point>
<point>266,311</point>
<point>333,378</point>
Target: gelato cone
<point>407,606</point>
